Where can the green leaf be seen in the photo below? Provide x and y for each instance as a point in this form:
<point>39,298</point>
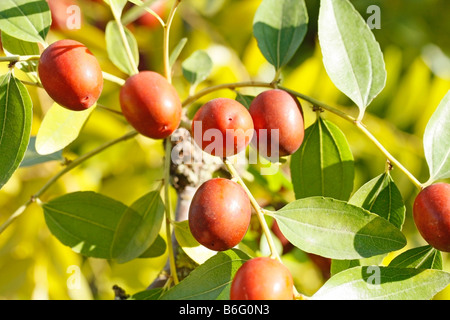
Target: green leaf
<point>381,196</point>
<point>156,249</point>
<point>279,27</point>
<point>245,100</point>
<point>117,6</point>
<point>323,165</point>
<point>177,51</point>
<point>28,20</point>
<point>32,158</point>
<point>16,112</point>
<point>190,245</point>
<point>59,128</point>
<point>351,54</point>
<point>85,221</point>
<point>138,228</point>
<point>197,67</point>
<point>116,50</point>
<point>383,283</point>
<point>425,257</point>
<point>211,280</point>
<point>14,46</point>
<point>436,141</point>
<point>336,229</point>
<point>151,294</point>
<point>98,226</point>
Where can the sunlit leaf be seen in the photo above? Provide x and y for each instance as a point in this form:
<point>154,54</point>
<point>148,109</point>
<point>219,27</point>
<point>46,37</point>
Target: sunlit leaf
<point>436,141</point>
<point>116,50</point>
<point>32,157</point>
<point>59,128</point>
<point>197,67</point>
<point>15,124</point>
<point>425,257</point>
<point>26,20</point>
<point>279,27</point>
<point>383,283</point>
<point>337,229</point>
<point>190,245</point>
<point>351,54</point>
<point>323,165</point>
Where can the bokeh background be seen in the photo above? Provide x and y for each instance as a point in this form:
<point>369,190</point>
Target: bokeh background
<point>414,37</point>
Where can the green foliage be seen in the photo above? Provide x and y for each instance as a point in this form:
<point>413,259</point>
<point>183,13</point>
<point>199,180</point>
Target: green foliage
<point>351,54</point>
<point>15,123</point>
<point>323,166</point>
<point>436,141</point>
<point>328,198</point>
<point>336,229</point>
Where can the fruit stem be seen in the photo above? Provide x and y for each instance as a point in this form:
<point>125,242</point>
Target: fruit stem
<point>17,58</point>
<point>113,78</point>
<point>125,42</point>
<point>73,164</point>
<point>167,25</point>
<point>391,158</point>
<point>256,207</point>
<point>362,128</point>
<point>230,86</point>
<point>136,11</point>
<point>173,268</point>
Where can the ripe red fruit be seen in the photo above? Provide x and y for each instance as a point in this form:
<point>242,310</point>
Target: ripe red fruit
<point>262,278</point>
<point>219,214</point>
<point>431,214</point>
<point>70,74</point>
<point>151,104</point>
<point>277,109</point>
<point>222,127</point>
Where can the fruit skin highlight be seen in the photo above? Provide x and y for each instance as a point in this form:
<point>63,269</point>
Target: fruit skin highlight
<point>224,119</point>
<point>219,214</point>
<point>151,104</point>
<point>277,110</point>
<point>71,75</point>
<point>262,278</point>
<point>431,213</point>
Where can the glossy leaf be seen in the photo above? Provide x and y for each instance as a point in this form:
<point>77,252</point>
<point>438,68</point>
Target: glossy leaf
<point>211,280</point>
<point>15,124</point>
<point>101,227</point>
<point>436,141</point>
<point>336,229</point>
<point>139,227</point>
<point>323,165</point>
<point>351,55</point>
<point>381,196</point>
<point>26,20</point>
<point>279,27</point>
<point>86,222</point>
<point>383,283</point>
<point>197,67</point>
<point>60,128</point>
<point>425,257</point>
<point>116,50</point>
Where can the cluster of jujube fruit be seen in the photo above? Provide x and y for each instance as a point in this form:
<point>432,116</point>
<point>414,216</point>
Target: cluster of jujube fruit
<point>220,211</point>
